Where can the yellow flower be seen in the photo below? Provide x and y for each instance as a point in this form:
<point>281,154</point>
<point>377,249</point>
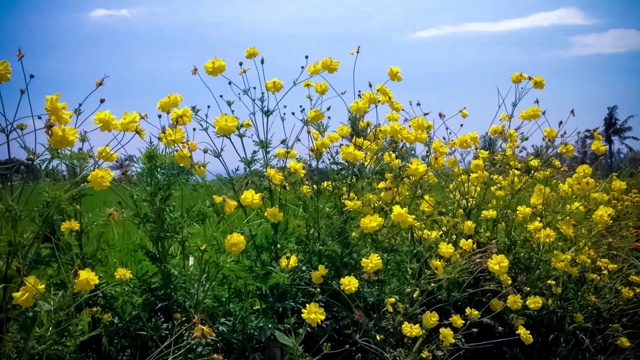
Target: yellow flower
<point>566,150</point>
<point>394,74</point>
<point>313,314</point>
<point>57,110</point>
<point>496,304</point>
<point>288,261</point>
<point>430,319</point>
<point>464,113</point>
<point>181,117</point>
<point>123,274</point>
<point>321,88</point>
<point>550,133</point>
<point>234,243</point>
<point>105,154</point>
<point>316,276</point>
<point>467,245</point>
<point>129,122</point>
<point>100,179</point>
<point>411,330</point>
<point>388,302</point>
<point>274,85</point>
<point>251,198</point>
<point>472,314</point>
<point>437,266</point>
<point>297,168</point>
<point>525,335</point>
<point>70,225</point>
<point>446,336</point>
<point>351,154</point>
<point>498,264</point>
<point>24,297</point>
<point>469,227</point>
<point>286,153</point>
<point>329,65</point>
<point>538,82</point>
<point>274,176</point>
<point>63,137</point>
<point>456,321</point>
<point>358,107</point>
<point>105,121</point>
<point>169,102</point>
<point>85,281</point>
<point>445,249</point>
<point>274,214</point>
<point>246,124</point>
<point>349,284</point>
<point>517,78</point>
<point>315,115</point>
<point>251,53</point>
<point>514,302</point>
<point>371,223</point>
<point>202,330</point>
<point>172,137</point>
<point>229,204</point>
<point>225,124</point>
<point>579,318</point>
<point>314,69</point>
<point>402,217</point>
<point>531,113</point>
<point>215,67</point>
<point>21,126</point>
<point>5,71</point>
<point>534,302</point>
<point>372,263</point>
<point>623,342</point>
<point>602,216</point>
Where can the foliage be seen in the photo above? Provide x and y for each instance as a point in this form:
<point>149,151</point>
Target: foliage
<point>387,235</point>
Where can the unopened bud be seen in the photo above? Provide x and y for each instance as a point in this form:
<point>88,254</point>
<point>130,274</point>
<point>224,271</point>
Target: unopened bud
<point>102,100</point>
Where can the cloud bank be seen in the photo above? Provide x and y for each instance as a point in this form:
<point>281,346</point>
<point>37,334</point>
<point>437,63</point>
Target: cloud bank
<point>564,16</point>
<point>614,41</point>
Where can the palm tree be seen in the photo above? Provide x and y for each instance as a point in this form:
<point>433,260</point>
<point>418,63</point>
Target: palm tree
<point>616,130</point>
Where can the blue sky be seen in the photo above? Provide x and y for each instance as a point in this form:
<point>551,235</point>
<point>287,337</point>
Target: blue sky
<point>452,53</point>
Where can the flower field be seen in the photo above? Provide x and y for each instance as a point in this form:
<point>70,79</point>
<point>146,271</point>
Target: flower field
<point>351,226</point>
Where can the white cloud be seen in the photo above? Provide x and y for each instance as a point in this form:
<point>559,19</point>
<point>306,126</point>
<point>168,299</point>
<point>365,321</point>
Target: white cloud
<point>614,41</point>
<point>564,16</point>
<point>102,13</point>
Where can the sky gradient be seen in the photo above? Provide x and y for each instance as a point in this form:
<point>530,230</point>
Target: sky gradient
<point>453,54</point>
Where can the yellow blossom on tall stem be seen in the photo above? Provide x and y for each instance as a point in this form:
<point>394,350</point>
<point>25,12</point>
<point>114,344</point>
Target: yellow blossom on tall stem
<point>234,243</point>
<point>313,314</point>
<point>63,137</point>
<point>317,275</point>
<point>349,284</point>
<point>215,67</point>
<point>85,281</point>
<point>228,204</point>
<point>105,154</point>
<point>411,330</point>
<point>288,261</point>
<point>123,274</point>
<point>251,53</point>
<point>25,296</point>
<point>251,198</point>
<point>100,179</point>
<point>70,225</point>
<point>446,336</point>
<point>226,125</point>
<point>105,121</point>
<point>274,85</point>
<point>5,71</point>
<point>371,264</point>
<point>430,319</point>
<point>394,74</point>
<point>371,223</point>
<point>274,214</point>
<point>525,335</point>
